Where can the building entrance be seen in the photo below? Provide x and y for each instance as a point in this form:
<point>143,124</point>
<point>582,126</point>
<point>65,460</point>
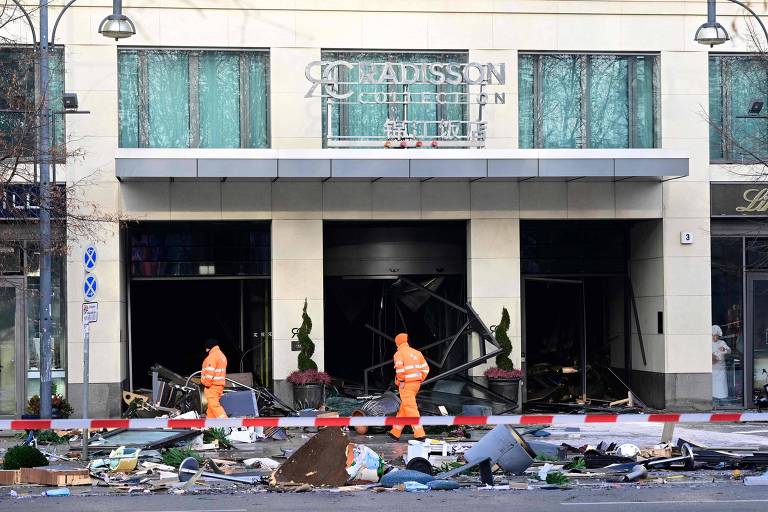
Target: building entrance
<point>576,299</point>
<point>194,281</point>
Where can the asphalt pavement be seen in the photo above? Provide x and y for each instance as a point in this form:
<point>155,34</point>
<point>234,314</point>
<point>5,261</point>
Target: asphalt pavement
<point>673,498</point>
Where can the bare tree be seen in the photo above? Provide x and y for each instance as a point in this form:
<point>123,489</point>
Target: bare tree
<point>73,217</point>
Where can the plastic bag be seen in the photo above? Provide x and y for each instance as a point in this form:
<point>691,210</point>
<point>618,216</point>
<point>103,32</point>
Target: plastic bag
<point>365,458</point>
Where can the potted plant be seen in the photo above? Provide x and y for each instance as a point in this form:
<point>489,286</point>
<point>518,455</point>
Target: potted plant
<point>60,407</point>
<point>503,378</point>
<point>308,383</point>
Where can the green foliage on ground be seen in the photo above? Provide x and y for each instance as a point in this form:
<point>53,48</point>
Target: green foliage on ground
<point>24,457</point>
<point>44,437</point>
<point>217,434</point>
<point>502,360</point>
<point>557,478</point>
<point>307,346</point>
<point>175,456</point>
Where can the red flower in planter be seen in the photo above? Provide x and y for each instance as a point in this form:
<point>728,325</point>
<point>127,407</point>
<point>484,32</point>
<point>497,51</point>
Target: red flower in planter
<point>309,377</point>
<point>498,373</point>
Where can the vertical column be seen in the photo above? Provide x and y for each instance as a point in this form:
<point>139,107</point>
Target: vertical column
<point>501,117</point>
<point>93,192</point>
<point>296,121</point>
<point>297,274</point>
<point>494,277</point>
<point>646,269</point>
<point>687,267</point>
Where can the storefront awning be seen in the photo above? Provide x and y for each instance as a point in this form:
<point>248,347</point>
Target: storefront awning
<point>409,164</point>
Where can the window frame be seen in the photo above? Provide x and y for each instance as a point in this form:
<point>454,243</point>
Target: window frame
<point>585,128</point>
<point>142,53</point>
<point>726,102</point>
<point>391,56</point>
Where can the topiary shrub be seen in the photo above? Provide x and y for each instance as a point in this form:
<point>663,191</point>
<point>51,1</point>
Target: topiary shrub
<point>502,360</point>
<point>23,456</point>
<point>307,346</point>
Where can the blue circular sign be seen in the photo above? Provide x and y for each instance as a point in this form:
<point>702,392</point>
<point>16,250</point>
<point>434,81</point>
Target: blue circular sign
<point>89,287</point>
<point>89,258</point>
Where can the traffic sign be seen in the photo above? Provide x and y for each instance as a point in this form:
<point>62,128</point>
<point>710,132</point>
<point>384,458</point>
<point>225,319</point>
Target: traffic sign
<point>89,287</point>
<point>90,312</point>
<point>89,258</point>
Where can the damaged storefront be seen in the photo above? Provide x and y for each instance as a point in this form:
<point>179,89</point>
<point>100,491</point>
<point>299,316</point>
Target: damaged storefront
<point>189,282</point>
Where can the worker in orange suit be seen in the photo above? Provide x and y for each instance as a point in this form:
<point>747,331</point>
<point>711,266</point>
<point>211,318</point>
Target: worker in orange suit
<point>410,371</point>
<point>213,378</point>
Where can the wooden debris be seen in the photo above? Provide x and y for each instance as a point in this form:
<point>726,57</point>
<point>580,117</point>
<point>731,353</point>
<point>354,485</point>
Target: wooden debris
<point>55,477</point>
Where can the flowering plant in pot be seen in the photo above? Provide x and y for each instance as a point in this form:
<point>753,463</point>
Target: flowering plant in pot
<point>60,407</point>
<point>308,383</point>
<point>503,378</point>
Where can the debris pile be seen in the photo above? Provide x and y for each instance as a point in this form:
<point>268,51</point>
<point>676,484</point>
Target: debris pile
<point>334,460</point>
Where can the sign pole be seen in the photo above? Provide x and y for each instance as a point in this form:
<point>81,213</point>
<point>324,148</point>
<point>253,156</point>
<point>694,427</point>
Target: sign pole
<point>90,315</point>
<point>86,354</point>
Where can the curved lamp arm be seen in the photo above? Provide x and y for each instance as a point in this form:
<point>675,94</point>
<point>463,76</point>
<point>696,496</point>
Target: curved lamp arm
<point>58,18</point>
<point>29,20</point>
<point>753,13</point>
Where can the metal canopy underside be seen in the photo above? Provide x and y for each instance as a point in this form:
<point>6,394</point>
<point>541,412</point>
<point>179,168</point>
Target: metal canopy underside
<point>400,164</point>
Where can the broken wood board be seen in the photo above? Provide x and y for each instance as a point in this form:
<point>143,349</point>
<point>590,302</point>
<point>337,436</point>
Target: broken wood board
<point>321,461</point>
<point>55,477</point>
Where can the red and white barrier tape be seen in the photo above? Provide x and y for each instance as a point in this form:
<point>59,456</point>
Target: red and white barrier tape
<point>381,421</point>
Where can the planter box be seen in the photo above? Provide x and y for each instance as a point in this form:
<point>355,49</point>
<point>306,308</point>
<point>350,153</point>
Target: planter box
<point>10,477</point>
<point>55,477</point>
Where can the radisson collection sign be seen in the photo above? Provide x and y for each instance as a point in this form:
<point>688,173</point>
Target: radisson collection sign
<point>342,83</point>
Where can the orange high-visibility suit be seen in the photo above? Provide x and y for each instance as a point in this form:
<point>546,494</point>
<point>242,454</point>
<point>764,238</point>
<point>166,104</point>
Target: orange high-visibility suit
<point>410,371</point>
<point>212,377</point>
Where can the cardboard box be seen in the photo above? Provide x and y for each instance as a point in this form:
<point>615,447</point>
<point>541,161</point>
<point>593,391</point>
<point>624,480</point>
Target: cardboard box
<point>10,477</point>
<point>55,477</point>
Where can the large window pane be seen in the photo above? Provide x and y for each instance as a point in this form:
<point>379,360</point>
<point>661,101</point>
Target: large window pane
<point>219,100</point>
<point>168,98</point>
<point>257,81</point>
<point>715,108</point>
<point>728,349</point>
<point>525,101</point>
<point>608,102</point>
<point>734,83</point>
<point>18,110</point>
<point>193,98</point>
<point>561,97</point>
<point>645,102</point>
<point>128,110</point>
<point>587,101</point>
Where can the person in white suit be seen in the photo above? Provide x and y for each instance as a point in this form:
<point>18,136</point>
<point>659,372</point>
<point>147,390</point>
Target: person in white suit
<point>720,349</point>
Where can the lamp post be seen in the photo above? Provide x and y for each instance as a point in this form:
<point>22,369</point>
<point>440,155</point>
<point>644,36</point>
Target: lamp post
<point>116,26</point>
<point>712,32</point>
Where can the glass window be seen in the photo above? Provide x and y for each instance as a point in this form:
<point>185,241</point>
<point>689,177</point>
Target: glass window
<point>18,112</point>
<point>58,324</point>
<point>359,121</point>
<point>588,101</point>
<point>199,249</point>
<point>735,82</point>
<point>192,98</point>
<point>727,307</point>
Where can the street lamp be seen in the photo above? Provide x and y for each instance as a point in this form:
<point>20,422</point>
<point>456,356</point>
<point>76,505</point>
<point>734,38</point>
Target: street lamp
<point>44,158</point>
<point>712,32</point>
<point>117,25</point>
